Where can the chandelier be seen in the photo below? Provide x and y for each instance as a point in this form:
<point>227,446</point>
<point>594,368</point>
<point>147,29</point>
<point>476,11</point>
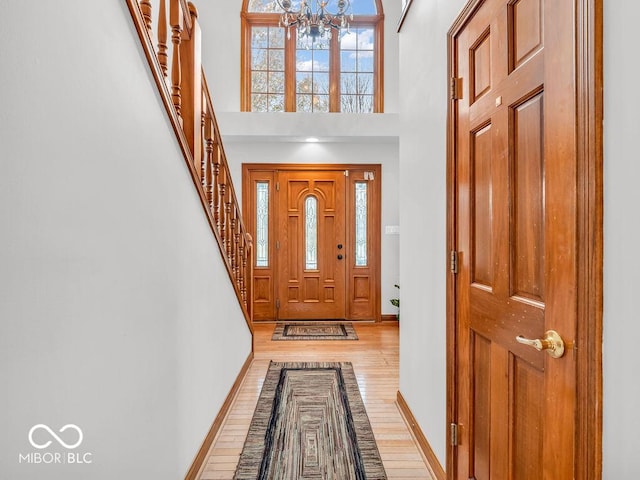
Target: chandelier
<point>315,25</point>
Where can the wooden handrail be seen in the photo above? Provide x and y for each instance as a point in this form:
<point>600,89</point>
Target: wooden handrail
<point>185,94</point>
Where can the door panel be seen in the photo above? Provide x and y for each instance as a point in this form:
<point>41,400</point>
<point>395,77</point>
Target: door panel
<point>516,237</point>
<point>527,224</point>
<point>311,283</point>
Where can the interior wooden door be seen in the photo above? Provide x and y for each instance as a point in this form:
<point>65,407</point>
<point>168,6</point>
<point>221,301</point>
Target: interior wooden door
<point>311,245</point>
<point>515,223</point>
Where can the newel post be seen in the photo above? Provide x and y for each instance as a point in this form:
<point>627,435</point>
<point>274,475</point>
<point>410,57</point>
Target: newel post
<point>191,59</point>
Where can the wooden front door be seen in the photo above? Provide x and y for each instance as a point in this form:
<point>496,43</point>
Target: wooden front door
<point>311,245</point>
<point>339,206</point>
<point>515,223</point>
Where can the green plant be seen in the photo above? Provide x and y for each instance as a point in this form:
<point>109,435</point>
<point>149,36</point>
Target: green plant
<point>396,301</point>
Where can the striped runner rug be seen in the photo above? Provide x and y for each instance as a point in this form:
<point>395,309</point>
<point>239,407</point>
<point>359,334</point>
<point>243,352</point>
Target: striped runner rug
<point>310,424</point>
<point>314,331</point>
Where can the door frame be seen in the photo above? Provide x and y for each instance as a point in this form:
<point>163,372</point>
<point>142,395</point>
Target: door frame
<point>351,312</point>
<point>589,83</point>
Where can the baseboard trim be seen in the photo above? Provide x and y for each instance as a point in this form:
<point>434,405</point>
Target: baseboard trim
<point>201,456</point>
<point>423,443</point>
<point>386,317</point>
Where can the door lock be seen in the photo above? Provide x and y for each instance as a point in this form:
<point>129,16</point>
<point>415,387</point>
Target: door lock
<point>340,257</point>
<point>339,246</point>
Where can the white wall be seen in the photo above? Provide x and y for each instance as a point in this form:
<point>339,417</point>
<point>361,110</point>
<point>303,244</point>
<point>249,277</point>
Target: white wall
<point>621,356</point>
<point>295,152</point>
<point>115,309</point>
<point>423,111</point>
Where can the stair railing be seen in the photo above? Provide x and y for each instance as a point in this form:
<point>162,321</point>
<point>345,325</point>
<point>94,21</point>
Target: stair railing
<point>177,69</point>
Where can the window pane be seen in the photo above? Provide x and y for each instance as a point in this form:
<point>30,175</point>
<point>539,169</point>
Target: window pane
<point>304,60</point>
<point>304,82</point>
<point>276,59</point>
<point>258,102</point>
<point>349,103</point>
<point>276,103</point>
<point>276,82</point>
<point>356,71</point>
<point>312,79</point>
<point>311,233</point>
<point>259,37</point>
<point>348,61</point>
<point>276,37</point>
<point>259,59</point>
<point>320,83</point>
<point>259,82</point>
<point>264,6</point>
<point>321,60</point>
<point>365,38</point>
<point>349,41</point>
<point>267,69</point>
<point>365,103</point>
<point>348,83</point>
<point>361,224</point>
<point>363,7</point>
<point>365,61</point>
<point>262,224</point>
<point>365,83</point>
<point>321,103</point>
<point>303,103</point>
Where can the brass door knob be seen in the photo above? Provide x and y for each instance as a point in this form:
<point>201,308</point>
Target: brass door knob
<point>552,343</point>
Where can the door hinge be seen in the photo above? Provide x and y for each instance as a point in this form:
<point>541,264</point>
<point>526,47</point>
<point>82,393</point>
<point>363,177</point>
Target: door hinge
<point>453,434</point>
<point>277,244</point>
<point>346,173</point>
<point>277,186</point>
<point>278,303</point>
<point>453,261</point>
<point>455,88</point>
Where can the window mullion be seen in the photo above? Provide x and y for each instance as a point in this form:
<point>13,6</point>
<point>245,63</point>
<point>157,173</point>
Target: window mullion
<point>378,67</point>
<point>334,74</point>
<point>290,70</point>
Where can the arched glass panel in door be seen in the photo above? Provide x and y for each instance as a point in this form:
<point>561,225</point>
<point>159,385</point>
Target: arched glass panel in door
<point>311,232</point>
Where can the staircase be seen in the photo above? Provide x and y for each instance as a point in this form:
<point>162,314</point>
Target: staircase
<point>175,63</point>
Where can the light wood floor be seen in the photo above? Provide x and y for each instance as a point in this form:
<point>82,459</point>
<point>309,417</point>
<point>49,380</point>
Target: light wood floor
<point>375,362</point>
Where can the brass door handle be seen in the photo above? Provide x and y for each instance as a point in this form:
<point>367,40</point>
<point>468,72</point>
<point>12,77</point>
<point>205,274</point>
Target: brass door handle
<point>552,343</point>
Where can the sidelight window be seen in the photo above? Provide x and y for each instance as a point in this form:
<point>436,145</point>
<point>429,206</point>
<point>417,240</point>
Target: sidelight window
<point>361,224</point>
<point>262,224</point>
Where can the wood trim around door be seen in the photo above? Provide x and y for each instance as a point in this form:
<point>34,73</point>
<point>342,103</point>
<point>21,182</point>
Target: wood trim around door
<point>355,308</point>
<point>589,81</point>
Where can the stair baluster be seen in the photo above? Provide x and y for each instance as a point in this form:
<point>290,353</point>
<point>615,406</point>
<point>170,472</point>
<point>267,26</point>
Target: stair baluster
<point>163,58</point>
<point>176,70</point>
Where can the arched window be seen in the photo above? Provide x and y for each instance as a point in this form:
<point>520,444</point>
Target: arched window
<point>285,71</point>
